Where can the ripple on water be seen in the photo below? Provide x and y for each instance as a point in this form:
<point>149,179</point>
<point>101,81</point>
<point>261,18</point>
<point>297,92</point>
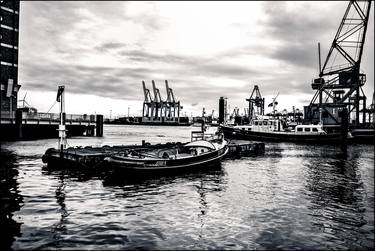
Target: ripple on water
<point>292,197</point>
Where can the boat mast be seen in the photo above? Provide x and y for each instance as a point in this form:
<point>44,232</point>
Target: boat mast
<point>62,131</point>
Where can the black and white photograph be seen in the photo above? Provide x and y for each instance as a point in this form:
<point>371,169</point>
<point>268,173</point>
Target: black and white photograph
<point>187,125</point>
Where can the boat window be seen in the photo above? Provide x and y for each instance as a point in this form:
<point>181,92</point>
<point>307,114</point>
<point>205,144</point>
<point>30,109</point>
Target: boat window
<point>256,123</point>
<point>299,129</point>
<point>315,129</point>
<point>264,122</point>
<point>270,122</point>
<point>307,129</point>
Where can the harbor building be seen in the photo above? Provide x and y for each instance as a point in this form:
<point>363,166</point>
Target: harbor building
<point>9,57</point>
<point>29,124</point>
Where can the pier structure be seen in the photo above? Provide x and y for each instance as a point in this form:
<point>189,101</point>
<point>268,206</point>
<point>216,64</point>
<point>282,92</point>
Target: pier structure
<point>340,82</point>
<point>157,110</point>
<point>256,103</point>
<point>26,125</point>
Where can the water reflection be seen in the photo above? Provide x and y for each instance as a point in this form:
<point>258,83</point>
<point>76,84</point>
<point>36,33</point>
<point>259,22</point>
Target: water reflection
<point>124,180</point>
<point>10,200</point>
<point>72,174</point>
<point>336,194</point>
<point>59,228</point>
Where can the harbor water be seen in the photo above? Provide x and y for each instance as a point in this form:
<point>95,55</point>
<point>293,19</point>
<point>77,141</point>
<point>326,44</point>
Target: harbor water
<point>292,197</point>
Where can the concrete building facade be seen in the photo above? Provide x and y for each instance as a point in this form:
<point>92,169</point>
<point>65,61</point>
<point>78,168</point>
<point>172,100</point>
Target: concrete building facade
<point>9,35</point>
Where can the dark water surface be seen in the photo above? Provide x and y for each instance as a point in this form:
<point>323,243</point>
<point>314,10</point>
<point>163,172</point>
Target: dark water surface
<point>292,197</point>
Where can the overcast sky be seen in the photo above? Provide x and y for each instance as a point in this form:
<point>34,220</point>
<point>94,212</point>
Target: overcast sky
<point>102,51</point>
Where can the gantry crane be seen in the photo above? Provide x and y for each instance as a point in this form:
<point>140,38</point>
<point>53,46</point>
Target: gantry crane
<point>173,107</point>
<point>155,109</point>
<point>256,103</point>
<point>148,102</point>
<point>159,104</point>
<point>340,80</point>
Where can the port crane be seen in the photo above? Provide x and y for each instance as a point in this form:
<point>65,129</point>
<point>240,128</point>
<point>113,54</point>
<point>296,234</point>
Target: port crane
<point>159,104</point>
<point>172,107</point>
<point>273,104</point>
<point>340,80</point>
<point>148,103</point>
<point>155,109</point>
<point>256,103</point>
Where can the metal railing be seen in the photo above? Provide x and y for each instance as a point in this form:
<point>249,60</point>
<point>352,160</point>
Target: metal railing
<point>8,115</point>
<point>42,116</point>
<point>199,135</point>
<point>56,117</point>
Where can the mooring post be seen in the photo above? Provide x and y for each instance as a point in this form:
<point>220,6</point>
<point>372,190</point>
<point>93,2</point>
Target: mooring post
<point>99,125</point>
<point>19,124</point>
<point>344,125</point>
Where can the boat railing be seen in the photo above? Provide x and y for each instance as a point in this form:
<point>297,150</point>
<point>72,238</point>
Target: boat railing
<point>199,135</point>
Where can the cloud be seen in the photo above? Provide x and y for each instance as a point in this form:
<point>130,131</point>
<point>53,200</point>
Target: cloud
<point>107,48</point>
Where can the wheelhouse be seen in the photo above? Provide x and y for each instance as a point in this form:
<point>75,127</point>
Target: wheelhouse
<point>311,129</point>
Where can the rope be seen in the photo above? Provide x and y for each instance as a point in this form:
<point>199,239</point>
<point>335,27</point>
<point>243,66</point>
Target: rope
<point>52,106</point>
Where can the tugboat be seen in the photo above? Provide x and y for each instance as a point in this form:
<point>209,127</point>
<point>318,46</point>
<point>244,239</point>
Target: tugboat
<point>271,128</point>
<point>268,129</point>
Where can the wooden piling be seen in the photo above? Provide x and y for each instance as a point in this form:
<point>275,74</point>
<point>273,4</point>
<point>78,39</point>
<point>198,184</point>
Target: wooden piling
<point>18,121</point>
<point>99,125</point>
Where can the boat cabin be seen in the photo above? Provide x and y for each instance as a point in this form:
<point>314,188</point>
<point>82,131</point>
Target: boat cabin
<point>262,125</point>
<point>276,125</point>
<point>310,129</point>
